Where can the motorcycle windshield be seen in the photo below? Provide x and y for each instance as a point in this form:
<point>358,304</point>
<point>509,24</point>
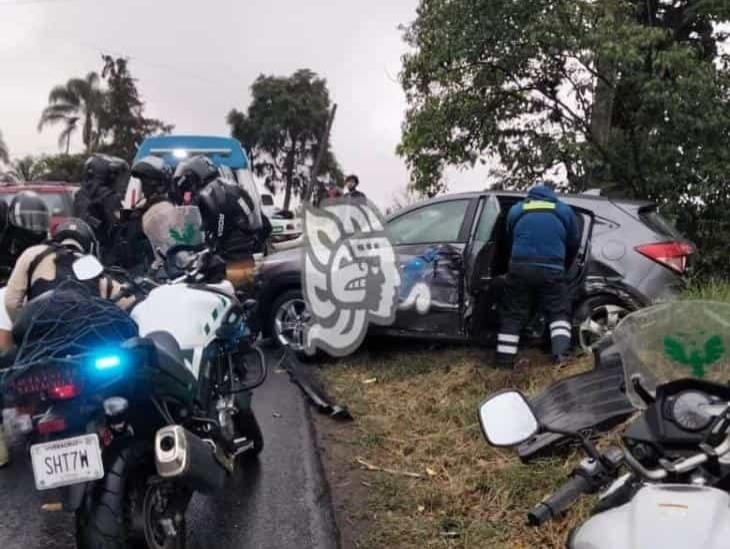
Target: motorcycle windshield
<point>170,226</point>
<point>674,341</point>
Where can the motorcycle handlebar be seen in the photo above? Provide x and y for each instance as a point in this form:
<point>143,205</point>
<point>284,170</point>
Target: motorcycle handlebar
<point>560,501</point>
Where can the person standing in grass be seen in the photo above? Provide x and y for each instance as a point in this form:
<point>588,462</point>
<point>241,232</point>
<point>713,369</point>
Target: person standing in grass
<point>543,232</point>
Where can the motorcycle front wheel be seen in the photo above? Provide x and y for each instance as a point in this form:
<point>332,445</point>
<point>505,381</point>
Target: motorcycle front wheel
<point>131,508</point>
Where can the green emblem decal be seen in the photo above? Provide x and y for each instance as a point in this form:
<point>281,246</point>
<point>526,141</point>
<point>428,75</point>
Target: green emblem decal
<point>714,349</point>
<point>187,236</point>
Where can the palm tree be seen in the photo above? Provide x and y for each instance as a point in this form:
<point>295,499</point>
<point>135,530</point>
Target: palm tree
<point>4,155</point>
<point>80,99</point>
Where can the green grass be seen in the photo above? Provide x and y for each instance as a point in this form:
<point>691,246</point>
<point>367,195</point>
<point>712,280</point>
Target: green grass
<point>415,412</point>
<point>711,291</point>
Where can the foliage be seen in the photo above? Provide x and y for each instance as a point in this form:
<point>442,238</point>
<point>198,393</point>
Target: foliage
<point>3,150</point>
<point>626,95</point>
<point>282,130</point>
<point>112,117</point>
<point>25,168</point>
<point>60,167</point>
<point>79,99</point>
<point>122,118</point>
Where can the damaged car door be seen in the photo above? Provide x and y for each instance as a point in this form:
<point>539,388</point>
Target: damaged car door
<point>429,242</point>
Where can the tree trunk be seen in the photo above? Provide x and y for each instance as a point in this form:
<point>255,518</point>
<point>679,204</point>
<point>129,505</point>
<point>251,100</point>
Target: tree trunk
<point>68,143</point>
<point>602,116</point>
<point>289,175</point>
<point>87,132</point>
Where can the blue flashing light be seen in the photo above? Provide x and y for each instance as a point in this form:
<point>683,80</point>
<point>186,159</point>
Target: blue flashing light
<point>107,362</point>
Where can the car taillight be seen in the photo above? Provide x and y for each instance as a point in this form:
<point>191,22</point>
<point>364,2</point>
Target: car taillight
<point>670,254</point>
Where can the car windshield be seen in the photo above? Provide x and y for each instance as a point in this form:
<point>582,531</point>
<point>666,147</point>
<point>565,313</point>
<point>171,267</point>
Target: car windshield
<point>171,226</point>
<point>56,202</point>
<point>673,341</point>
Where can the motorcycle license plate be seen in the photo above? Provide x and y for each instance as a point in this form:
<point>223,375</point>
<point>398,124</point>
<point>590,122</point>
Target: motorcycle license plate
<point>66,462</point>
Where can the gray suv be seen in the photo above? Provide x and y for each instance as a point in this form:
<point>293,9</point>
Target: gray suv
<point>629,257</point>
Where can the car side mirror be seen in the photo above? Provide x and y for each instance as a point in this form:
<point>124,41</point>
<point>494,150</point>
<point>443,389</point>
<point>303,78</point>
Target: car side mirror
<point>87,267</point>
<point>507,419</point>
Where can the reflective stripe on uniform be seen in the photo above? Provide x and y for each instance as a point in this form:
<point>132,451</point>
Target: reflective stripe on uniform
<point>538,205</point>
<point>508,338</point>
<point>560,324</point>
<point>561,328</point>
<point>507,349</point>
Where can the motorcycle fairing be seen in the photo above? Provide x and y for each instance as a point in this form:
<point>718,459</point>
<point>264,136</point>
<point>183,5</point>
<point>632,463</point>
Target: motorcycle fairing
<point>591,401</point>
<point>670,516</point>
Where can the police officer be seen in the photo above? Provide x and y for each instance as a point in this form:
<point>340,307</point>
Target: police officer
<point>544,236</point>
<point>43,267</point>
<point>155,177</point>
<point>99,202</point>
<point>228,214</point>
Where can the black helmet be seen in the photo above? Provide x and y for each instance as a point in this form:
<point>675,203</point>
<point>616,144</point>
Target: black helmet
<point>154,175</point>
<point>105,170</point>
<point>29,212</point>
<point>193,174</point>
<point>79,232</point>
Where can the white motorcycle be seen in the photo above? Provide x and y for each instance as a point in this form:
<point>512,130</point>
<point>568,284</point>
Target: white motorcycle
<point>673,492</point>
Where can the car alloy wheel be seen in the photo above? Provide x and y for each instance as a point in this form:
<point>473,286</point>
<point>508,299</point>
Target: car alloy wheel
<point>290,320</point>
<point>600,322</point>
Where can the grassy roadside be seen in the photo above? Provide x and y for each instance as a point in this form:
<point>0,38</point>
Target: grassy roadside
<point>415,414</point>
<point>415,411</point>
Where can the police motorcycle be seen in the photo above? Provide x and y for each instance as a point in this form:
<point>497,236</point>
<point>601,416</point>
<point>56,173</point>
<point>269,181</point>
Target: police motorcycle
<point>667,485</point>
<point>134,413</point>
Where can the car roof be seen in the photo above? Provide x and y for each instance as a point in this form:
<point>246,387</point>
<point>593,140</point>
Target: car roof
<point>570,198</point>
<point>39,187</point>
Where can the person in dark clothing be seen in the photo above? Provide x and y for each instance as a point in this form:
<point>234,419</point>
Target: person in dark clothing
<point>99,201</point>
<point>352,182</point>
<point>544,237</point>
<point>23,223</point>
<point>228,211</point>
<point>229,220</point>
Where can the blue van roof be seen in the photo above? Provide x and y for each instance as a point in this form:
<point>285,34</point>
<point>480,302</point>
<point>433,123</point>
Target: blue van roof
<point>225,151</point>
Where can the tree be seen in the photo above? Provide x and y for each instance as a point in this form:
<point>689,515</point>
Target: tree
<point>282,130</point>
<point>632,96</point>
<point>123,119</point>
<point>579,91</point>
<point>25,168</point>
<point>79,99</point>
<point>61,167</point>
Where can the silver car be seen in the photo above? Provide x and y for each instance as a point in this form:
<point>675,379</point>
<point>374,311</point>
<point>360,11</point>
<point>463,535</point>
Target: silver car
<point>629,257</point>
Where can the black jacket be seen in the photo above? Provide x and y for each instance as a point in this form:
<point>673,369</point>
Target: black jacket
<point>227,210</point>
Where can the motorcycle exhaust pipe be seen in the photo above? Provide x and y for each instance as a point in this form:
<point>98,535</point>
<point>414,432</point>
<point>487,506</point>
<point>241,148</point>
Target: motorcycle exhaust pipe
<point>181,455</point>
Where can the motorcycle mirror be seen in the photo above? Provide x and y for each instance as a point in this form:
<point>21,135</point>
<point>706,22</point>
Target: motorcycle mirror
<point>87,267</point>
<point>507,419</point>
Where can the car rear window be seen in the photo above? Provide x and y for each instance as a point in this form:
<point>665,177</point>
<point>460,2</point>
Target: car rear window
<point>57,203</point>
<point>660,225</point>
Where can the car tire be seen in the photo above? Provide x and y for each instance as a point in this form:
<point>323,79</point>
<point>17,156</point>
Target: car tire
<point>289,307</point>
<point>596,317</point>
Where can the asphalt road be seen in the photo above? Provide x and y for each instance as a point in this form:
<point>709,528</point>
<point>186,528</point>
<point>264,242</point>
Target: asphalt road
<point>278,503</point>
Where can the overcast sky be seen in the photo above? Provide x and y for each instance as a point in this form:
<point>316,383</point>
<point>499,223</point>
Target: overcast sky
<point>195,60</point>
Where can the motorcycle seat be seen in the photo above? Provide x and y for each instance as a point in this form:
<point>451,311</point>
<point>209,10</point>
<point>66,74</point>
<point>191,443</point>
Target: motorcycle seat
<point>169,353</point>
